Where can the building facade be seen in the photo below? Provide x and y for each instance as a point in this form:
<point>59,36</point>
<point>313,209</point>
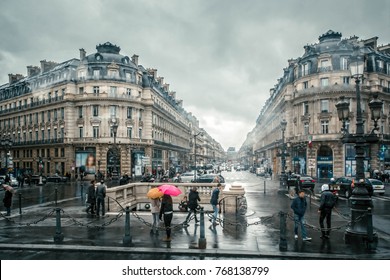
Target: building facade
<point>306,95</point>
<point>62,118</point>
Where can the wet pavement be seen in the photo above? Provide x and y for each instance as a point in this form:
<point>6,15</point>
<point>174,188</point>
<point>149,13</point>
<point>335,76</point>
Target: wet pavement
<point>254,235</point>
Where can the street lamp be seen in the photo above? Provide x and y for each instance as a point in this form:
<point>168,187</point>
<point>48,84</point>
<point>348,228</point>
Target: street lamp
<point>196,135</point>
<point>361,223</point>
<point>6,144</point>
<point>282,185</point>
<point>114,127</point>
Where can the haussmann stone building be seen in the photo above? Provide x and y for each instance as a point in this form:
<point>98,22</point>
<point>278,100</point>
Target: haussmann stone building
<point>61,118</point>
<point>306,95</point>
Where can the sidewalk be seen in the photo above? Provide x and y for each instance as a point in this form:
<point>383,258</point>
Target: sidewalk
<point>255,235</point>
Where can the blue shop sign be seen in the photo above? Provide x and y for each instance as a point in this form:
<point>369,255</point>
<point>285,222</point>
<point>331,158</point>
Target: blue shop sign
<point>324,158</point>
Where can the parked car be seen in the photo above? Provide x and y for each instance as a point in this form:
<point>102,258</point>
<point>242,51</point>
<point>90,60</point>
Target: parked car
<point>56,178</point>
<point>13,181</point>
<point>306,182</point>
<point>344,186</point>
<point>378,186</point>
<point>35,179</point>
<point>209,178</point>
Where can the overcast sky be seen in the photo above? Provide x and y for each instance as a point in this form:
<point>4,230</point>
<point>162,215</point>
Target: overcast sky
<point>221,57</point>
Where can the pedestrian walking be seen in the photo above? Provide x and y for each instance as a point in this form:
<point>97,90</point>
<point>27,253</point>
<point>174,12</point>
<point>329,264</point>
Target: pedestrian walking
<point>155,209</point>
<point>327,202</point>
<point>193,198</point>
<point>100,196</point>
<point>299,205</point>
<point>91,199</point>
<point>214,203</point>
<point>7,200</point>
<point>167,210</point>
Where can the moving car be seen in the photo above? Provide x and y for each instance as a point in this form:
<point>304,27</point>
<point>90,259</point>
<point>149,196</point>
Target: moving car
<point>56,178</point>
<point>344,186</point>
<point>306,182</point>
<point>209,178</point>
<point>187,177</point>
<point>378,186</point>
<point>293,180</point>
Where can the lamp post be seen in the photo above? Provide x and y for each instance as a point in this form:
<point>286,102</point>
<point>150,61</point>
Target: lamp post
<point>196,170</point>
<point>361,221</point>
<point>6,144</point>
<point>283,154</point>
<point>115,148</point>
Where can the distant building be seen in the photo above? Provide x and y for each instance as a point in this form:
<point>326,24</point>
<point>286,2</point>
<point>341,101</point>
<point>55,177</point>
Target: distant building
<point>306,96</point>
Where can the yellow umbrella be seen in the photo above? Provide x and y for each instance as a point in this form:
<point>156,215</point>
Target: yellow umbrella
<point>154,193</point>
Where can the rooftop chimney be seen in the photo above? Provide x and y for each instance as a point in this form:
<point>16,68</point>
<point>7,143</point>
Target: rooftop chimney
<point>82,54</point>
<point>13,78</point>
<point>47,65</point>
<point>33,70</point>
<point>134,59</point>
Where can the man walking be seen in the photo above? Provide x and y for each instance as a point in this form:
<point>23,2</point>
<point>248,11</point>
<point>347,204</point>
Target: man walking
<point>100,195</point>
<point>299,205</point>
<point>327,202</point>
<point>214,203</point>
<point>91,198</point>
<point>193,199</point>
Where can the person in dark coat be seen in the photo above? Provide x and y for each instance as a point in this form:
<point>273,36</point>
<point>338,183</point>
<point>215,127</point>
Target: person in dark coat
<point>327,202</point>
<point>7,200</point>
<point>166,209</point>
<point>100,196</point>
<point>193,199</point>
<point>91,199</point>
<point>299,206</point>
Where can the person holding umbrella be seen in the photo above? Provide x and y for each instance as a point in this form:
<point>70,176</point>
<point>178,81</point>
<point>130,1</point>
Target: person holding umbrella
<point>167,210</point>
<point>7,200</point>
<point>154,194</point>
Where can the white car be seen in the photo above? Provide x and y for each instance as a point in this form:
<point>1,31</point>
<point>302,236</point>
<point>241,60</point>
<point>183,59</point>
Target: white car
<point>186,177</point>
<point>378,186</point>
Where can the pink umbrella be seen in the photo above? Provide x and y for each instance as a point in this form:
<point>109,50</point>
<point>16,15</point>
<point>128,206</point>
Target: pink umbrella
<point>169,190</point>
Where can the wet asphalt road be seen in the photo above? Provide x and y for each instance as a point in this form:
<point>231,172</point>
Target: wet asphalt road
<point>254,237</point>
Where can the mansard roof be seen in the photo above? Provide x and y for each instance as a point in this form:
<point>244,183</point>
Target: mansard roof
<point>108,53</point>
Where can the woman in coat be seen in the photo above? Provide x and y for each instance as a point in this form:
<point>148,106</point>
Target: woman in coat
<point>167,210</point>
<point>155,209</point>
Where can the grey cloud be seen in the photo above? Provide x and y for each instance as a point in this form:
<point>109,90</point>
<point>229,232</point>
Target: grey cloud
<point>221,57</point>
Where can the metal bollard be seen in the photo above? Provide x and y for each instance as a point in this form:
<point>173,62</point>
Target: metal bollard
<point>127,238</point>
<point>56,195</point>
<point>20,203</point>
<point>370,231</point>
<point>108,204</point>
<point>59,236</point>
<point>202,238</point>
<point>283,239</point>
<point>264,186</point>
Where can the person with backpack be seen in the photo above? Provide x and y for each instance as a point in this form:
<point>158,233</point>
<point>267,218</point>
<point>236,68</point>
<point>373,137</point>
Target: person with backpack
<point>327,202</point>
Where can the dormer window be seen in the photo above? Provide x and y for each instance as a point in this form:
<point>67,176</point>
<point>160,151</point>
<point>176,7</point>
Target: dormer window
<point>112,73</point>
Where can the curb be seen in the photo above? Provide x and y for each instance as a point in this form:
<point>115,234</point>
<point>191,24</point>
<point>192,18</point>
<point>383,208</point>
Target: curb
<point>191,252</point>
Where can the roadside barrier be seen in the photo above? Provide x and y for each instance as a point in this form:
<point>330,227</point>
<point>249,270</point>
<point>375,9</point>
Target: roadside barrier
<point>226,222</point>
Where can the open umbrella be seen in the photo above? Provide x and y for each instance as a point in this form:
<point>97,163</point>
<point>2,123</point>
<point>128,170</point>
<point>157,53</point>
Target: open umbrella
<point>154,193</point>
<point>8,188</point>
<point>170,190</point>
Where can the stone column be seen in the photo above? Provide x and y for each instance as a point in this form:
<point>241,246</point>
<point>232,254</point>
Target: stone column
<point>234,201</point>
